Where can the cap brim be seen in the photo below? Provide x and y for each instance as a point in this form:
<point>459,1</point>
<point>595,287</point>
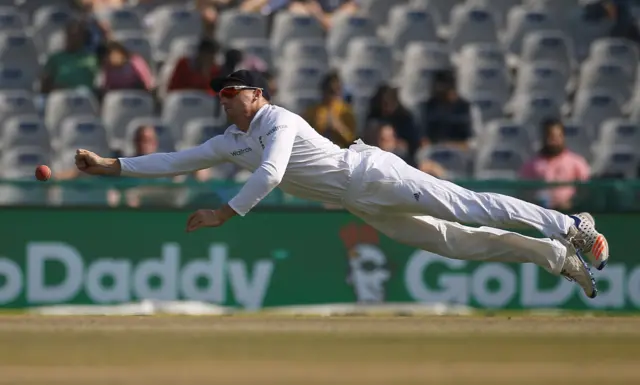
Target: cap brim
<point>220,83</point>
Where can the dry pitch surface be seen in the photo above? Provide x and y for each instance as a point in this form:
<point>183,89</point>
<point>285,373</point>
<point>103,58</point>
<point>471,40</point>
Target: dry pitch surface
<point>343,350</point>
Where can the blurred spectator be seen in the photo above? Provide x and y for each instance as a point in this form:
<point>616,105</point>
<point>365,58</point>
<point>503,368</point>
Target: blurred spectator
<point>311,8</point>
<point>447,118</point>
<point>385,106</point>
<point>232,59</point>
<point>97,31</point>
<point>73,67</point>
<point>251,62</point>
<point>432,168</point>
<point>210,11</point>
<point>195,73</point>
<point>383,135</point>
<point>331,6</point>
<point>617,11</point>
<point>272,83</point>
<point>105,5</point>
<point>209,14</point>
<point>555,163</point>
<point>219,5</point>
<point>122,69</point>
<point>332,117</point>
<point>303,7</point>
<point>146,142</point>
<point>227,4</point>
<point>235,60</point>
<point>262,6</point>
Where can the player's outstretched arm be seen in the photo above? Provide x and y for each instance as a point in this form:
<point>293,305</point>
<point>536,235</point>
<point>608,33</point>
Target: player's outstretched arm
<point>152,165</point>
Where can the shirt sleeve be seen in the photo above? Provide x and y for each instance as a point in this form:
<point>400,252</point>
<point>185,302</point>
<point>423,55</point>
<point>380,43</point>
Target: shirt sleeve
<point>174,163</point>
<point>278,144</point>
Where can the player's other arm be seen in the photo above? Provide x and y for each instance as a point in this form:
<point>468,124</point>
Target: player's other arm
<point>278,144</point>
<point>152,165</point>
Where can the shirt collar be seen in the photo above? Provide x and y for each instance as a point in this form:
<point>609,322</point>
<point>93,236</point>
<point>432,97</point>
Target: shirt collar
<point>255,121</point>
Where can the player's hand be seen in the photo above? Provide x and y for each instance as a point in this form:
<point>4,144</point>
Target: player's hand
<point>204,218</point>
<point>93,164</point>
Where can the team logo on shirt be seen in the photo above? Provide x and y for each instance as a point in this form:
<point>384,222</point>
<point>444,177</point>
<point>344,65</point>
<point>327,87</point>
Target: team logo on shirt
<point>368,267</point>
<point>274,129</point>
<point>240,152</point>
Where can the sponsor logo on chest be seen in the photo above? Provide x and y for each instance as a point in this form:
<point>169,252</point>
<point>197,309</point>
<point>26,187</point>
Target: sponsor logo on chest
<point>241,151</point>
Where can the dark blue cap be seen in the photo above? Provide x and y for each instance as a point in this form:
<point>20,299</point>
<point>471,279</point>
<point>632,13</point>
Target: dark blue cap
<point>244,78</point>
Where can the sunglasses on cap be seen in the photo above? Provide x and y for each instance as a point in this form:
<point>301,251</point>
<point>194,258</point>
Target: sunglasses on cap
<point>232,91</point>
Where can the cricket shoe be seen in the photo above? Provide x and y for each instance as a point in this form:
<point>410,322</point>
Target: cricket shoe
<point>587,241</point>
<point>575,269</point>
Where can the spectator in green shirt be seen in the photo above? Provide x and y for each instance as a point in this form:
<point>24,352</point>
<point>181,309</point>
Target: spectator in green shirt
<point>73,67</point>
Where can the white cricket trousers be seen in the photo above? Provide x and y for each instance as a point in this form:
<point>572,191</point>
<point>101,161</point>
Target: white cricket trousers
<point>425,212</point>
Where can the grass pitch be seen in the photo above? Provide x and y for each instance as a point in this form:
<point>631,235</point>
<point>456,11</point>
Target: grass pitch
<point>312,350</point>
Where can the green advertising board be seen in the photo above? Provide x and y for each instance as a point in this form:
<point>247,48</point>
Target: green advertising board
<point>273,259</point>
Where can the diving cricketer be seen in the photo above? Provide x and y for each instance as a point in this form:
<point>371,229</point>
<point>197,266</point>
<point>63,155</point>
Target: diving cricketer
<point>414,208</point>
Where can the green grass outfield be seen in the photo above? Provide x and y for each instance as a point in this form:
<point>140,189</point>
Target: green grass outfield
<point>507,348</point>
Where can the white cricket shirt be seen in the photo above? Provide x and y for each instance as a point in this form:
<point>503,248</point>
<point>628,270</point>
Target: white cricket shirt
<point>280,148</point>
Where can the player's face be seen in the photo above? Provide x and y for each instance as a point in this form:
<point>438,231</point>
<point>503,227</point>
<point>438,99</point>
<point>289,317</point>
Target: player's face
<point>237,101</point>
